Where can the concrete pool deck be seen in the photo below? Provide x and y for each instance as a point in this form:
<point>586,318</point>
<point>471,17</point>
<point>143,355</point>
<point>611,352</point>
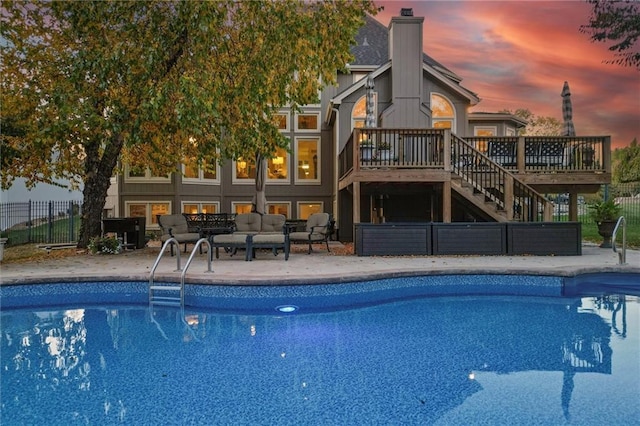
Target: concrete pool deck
<point>319,267</point>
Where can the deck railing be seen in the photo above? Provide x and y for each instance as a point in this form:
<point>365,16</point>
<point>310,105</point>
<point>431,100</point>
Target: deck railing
<point>424,148</point>
<point>547,153</point>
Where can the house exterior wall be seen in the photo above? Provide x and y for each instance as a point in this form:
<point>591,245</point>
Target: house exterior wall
<point>403,88</point>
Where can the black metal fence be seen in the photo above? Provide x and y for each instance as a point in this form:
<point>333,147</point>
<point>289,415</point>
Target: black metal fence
<point>627,195</point>
<point>47,222</point>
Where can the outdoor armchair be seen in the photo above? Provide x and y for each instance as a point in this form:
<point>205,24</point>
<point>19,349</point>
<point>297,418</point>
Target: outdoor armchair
<point>176,226</point>
<point>318,229</point>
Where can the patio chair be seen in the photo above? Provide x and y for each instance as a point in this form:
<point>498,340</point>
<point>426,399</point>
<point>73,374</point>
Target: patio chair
<point>503,153</point>
<point>176,226</point>
<point>318,230</point>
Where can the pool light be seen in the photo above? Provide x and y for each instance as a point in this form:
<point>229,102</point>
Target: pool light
<point>287,309</point>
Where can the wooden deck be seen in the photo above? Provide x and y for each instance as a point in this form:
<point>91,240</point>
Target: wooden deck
<point>510,172</point>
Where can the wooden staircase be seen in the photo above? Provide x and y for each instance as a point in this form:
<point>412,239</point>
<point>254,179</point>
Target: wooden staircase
<point>493,189</point>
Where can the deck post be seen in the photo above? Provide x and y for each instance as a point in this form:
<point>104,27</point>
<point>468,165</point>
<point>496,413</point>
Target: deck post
<point>356,203</point>
<point>446,155</point>
<point>508,196</point>
<point>446,200</point>
<point>520,160</point>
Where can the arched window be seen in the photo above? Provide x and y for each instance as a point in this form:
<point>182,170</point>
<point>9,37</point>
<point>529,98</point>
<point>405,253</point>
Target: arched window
<point>359,112</point>
<point>443,113</point>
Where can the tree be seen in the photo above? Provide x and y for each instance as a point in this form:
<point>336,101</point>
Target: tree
<point>537,126</point>
<point>627,163</point>
<point>97,84</point>
<point>617,21</point>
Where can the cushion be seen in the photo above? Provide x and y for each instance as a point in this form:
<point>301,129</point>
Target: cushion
<point>269,238</point>
<point>273,223</point>
<point>176,222</point>
<point>319,221</point>
<point>304,236</point>
<point>230,239</point>
<point>248,222</point>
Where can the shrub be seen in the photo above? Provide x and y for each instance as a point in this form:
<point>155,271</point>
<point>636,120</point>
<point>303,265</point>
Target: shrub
<point>105,245</point>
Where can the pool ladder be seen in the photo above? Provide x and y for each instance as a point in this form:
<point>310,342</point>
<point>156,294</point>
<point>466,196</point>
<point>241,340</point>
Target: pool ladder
<point>622,255</point>
<point>174,300</point>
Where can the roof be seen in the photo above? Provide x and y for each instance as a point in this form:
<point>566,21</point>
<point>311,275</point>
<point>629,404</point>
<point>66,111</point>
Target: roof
<point>497,116</point>
<point>371,52</point>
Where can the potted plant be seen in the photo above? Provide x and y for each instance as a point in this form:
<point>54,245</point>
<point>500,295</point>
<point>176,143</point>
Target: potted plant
<point>384,151</point>
<point>605,214</point>
<point>366,148</point>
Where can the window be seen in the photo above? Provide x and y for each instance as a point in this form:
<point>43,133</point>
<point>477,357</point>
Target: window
<point>279,208</point>
<point>307,208</point>
<point>137,173</point>
<point>443,113</point>
<point>240,207</point>
<point>308,122</point>
<point>245,170</point>
<point>150,210</point>
<point>278,167</point>
<point>487,131</point>
<point>510,131</point>
<point>282,121</point>
<point>308,160</point>
<point>194,207</point>
<point>357,76</point>
<point>191,173</point>
<point>359,112</point>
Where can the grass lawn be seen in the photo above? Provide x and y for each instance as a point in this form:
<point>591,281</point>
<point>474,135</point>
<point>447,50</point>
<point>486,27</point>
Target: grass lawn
<point>590,233</point>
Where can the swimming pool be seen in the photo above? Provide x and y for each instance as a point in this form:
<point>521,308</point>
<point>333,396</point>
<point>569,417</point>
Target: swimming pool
<point>422,350</point>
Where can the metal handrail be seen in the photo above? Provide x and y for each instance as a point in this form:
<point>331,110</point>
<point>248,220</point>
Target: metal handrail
<point>193,253</point>
<point>622,255</point>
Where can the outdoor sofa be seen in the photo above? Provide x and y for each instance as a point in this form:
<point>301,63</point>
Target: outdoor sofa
<point>253,231</point>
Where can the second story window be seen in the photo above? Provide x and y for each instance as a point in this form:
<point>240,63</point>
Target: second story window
<point>191,173</point>
<point>359,113</point>
<point>443,113</point>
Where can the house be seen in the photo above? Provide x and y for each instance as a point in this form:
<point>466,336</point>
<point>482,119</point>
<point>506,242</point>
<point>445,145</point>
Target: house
<point>444,163</point>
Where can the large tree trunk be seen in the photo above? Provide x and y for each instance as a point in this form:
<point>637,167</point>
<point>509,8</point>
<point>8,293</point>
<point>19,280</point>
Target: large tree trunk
<point>97,178</point>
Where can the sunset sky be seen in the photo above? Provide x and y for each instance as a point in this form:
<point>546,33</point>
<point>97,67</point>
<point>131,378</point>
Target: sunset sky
<point>517,54</point>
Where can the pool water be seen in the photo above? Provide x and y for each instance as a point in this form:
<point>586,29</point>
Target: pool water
<point>420,360</point>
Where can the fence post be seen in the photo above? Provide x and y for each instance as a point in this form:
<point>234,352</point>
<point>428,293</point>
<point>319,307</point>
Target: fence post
<point>29,223</point>
<point>70,213</point>
<point>50,223</point>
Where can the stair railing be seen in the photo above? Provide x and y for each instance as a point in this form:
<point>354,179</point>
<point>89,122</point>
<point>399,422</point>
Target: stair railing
<point>520,201</point>
<point>622,255</point>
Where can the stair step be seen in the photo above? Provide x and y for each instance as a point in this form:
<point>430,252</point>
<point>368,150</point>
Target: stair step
<point>166,287</point>
<point>165,302</point>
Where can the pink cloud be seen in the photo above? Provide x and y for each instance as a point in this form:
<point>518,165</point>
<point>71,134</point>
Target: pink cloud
<point>518,55</point>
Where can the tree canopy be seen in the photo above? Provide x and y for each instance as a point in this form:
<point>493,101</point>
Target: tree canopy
<point>537,125</point>
<point>616,21</point>
<point>156,83</point>
<point>627,163</point>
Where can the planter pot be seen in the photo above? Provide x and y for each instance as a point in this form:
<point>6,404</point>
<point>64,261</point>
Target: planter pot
<point>366,153</point>
<point>3,241</point>
<point>385,155</point>
<point>605,229</point>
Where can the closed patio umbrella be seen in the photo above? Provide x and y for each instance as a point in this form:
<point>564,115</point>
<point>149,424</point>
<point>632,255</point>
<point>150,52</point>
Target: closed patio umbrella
<point>567,112</point>
<point>370,118</point>
<point>259,202</point>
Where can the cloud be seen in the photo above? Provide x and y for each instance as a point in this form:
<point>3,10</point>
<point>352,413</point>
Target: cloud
<point>518,55</point>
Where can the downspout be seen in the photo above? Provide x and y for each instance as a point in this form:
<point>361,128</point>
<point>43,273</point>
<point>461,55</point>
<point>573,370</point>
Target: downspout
<point>336,129</point>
